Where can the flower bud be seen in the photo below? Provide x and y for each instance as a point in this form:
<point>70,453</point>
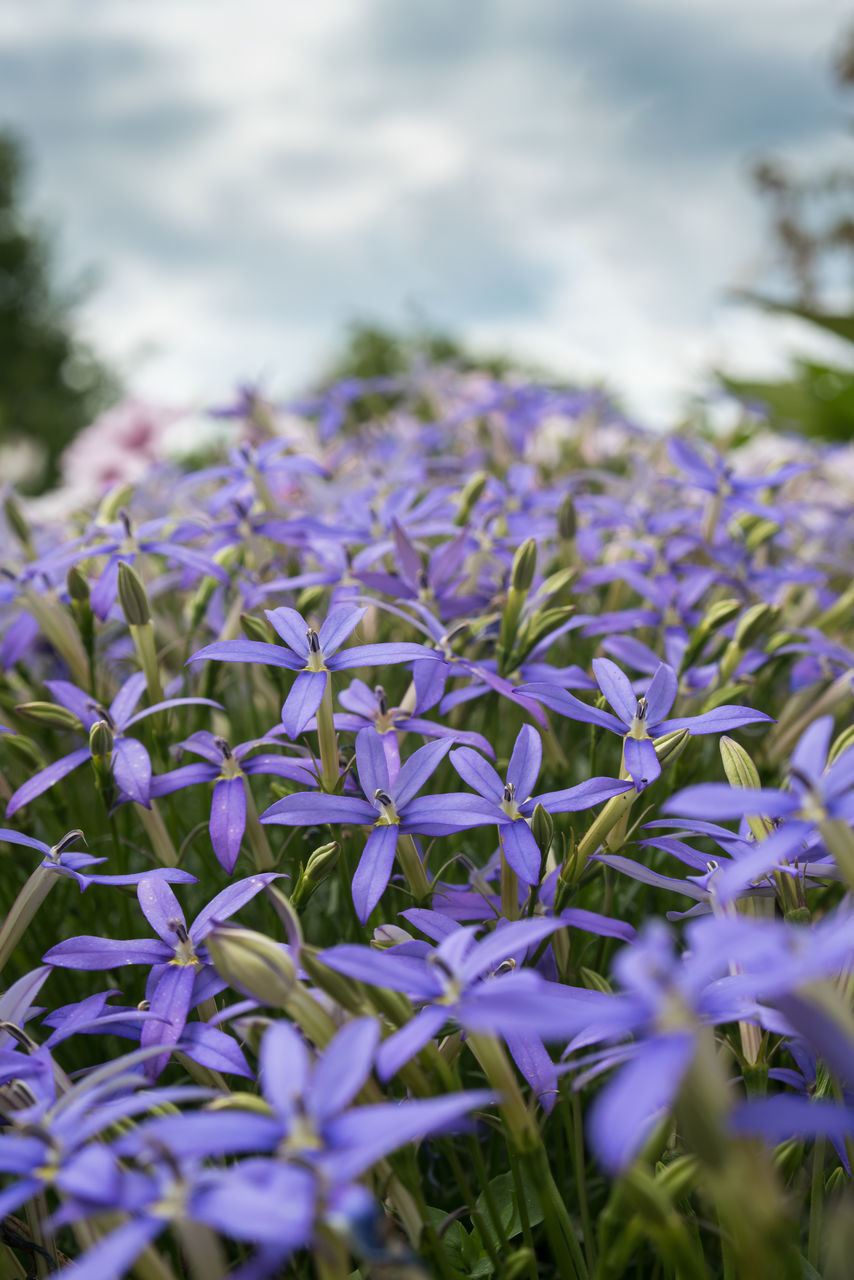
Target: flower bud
<point>842,743</point>
<point>133,597</point>
<point>753,622</point>
<point>524,566</point>
<point>738,766</point>
<point>101,740</point>
<point>78,587</point>
<point>542,829</point>
<point>255,628</point>
<point>252,963</point>
<point>26,750</point>
<point>344,991</point>
<point>17,523</point>
<point>49,714</point>
<point>112,503</point>
<point>469,496</point>
<point>319,867</point>
<point>567,522</point>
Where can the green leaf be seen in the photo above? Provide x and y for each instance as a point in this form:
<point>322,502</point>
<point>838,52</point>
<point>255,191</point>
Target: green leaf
<point>503,1191</point>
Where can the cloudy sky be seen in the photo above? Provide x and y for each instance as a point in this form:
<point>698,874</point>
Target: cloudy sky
<point>563,178</point>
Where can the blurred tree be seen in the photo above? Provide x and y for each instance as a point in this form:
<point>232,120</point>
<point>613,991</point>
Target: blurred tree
<point>812,232</point>
<point>51,383</point>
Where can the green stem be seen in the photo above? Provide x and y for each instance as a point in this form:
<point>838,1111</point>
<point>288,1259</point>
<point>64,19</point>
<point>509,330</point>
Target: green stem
<point>816,1203</point>
<point>492,1057</point>
<point>327,740</point>
<point>22,910</point>
<point>575,1138</point>
<point>554,1209</point>
<point>256,835</point>
<point>509,887</point>
<point>413,868</point>
<point>155,829</point>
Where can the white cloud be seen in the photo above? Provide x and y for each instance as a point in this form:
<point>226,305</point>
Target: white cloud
<point>566,179</point>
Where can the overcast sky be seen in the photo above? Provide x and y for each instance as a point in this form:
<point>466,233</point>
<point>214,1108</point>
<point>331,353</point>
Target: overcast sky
<point>565,178</point>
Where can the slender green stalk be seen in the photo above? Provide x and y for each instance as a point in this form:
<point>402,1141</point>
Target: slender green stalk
<point>327,739</point>
<point>256,835</point>
<point>413,868</point>
<point>155,828</point>
<point>816,1203</point>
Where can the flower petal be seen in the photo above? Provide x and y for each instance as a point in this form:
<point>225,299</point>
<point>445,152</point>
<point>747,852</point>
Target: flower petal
<point>374,869</point>
<point>228,820</point>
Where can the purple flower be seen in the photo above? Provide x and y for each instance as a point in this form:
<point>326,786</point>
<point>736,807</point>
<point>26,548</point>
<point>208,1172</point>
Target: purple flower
<point>130,761</point>
<point>817,794</point>
<point>513,803</point>
<point>366,708</point>
<point>639,720</point>
<point>65,861</point>
<point>311,1118</point>
<point>122,544</point>
<point>391,808</point>
<point>312,654</point>
<point>182,975</point>
<point>477,984</point>
<point>227,769</point>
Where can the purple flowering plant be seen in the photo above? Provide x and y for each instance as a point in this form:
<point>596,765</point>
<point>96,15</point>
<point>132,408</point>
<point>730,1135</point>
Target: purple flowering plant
<point>427,1017</point>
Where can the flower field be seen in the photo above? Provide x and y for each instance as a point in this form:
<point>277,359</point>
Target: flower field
<point>428,846</point>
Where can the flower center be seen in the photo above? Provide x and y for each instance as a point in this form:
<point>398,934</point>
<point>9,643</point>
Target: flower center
<point>638,729</point>
<point>508,802</point>
<point>388,814</point>
<point>315,653</point>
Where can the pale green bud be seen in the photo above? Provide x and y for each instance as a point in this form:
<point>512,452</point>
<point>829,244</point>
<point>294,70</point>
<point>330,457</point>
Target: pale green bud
<point>542,829</point>
<point>15,519</point>
<point>756,620</point>
<point>49,714</point>
<point>320,866</point>
<point>253,963</point>
<point>738,766</point>
<point>255,628</point>
<point>524,566</point>
<point>101,740</point>
<point>567,521</point>
<point>469,495</point>
<point>133,597</point>
<point>112,503</point>
<point>78,587</point>
<point>842,743</point>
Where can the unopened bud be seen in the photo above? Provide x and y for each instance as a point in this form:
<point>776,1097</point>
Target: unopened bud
<point>78,587</point>
<point>27,751</point>
<point>542,829</point>
<point>842,743</point>
<point>751,625</point>
<point>344,991</point>
<point>133,597</point>
<point>311,600</point>
<point>738,766</point>
<point>17,523</point>
<point>719,614</point>
<point>49,714</point>
<point>101,739</point>
<point>113,502</point>
<point>255,628</point>
<point>252,963</point>
<point>670,746</point>
<point>524,566</point>
<point>594,981</point>
<point>320,866</point>
<point>567,521</point>
<point>469,495</point>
